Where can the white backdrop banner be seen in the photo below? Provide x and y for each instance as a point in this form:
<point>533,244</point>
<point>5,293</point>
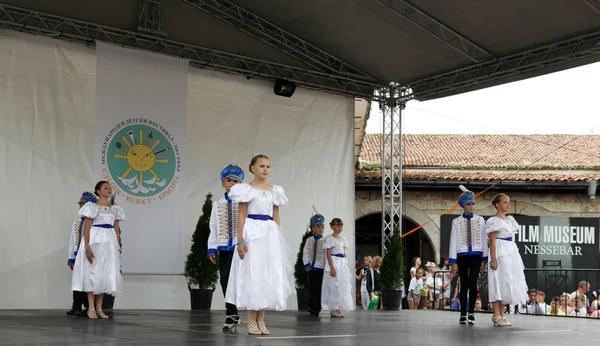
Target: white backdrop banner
<point>141,122</point>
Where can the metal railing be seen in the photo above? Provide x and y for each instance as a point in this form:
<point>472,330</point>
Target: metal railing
<point>558,285</point>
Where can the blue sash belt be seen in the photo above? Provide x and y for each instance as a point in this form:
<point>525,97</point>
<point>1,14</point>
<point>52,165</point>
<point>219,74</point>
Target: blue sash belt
<point>103,225</point>
<point>507,238</point>
<point>338,255</point>
<point>261,217</point>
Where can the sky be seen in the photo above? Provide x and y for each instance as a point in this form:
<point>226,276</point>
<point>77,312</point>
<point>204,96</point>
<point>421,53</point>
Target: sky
<point>558,103</point>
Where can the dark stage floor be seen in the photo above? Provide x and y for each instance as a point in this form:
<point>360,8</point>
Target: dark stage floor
<point>374,328</point>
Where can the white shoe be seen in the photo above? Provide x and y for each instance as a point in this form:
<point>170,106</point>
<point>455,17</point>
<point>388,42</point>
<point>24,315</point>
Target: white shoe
<point>498,321</point>
<point>231,322</point>
<point>471,319</point>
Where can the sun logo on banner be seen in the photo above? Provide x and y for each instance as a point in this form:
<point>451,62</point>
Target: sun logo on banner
<point>141,160</point>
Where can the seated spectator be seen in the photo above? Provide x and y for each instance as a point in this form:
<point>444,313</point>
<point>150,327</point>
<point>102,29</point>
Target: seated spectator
<point>542,301</point>
<point>594,309</point>
<point>532,306</point>
<point>555,307</point>
<point>566,303</point>
<point>583,288</point>
<point>478,306</point>
<point>580,309</point>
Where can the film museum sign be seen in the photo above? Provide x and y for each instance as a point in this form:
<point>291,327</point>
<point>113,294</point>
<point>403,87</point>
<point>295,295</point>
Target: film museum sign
<point>567,242</point>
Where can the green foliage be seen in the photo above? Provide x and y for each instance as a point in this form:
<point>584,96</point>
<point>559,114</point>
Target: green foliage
<point>369,166</point>
<point>199,270</point>
<point>392,266</point>
<point>300,274</point>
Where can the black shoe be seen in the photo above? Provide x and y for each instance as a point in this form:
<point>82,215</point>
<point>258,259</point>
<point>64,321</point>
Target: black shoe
<point>471,319</point>
<point>82,313</point>
<point>463,319</point>
<point>231,322</point>
<point>73,312</point>
<point>314,312</point>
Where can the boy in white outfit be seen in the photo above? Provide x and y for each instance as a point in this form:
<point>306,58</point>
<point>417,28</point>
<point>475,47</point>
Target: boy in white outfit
<point>468,253</point>
<point>223,236</point>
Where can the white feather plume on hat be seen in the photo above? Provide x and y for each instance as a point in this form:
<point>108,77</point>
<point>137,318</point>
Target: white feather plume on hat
<point>466,196</point>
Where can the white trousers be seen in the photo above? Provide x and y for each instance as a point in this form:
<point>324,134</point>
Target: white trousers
<point>364,297</point>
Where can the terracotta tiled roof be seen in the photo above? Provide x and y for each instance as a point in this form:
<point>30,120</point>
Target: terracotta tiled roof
<point>555,158</point>
<point>493,151</point>
<point>532,176</point>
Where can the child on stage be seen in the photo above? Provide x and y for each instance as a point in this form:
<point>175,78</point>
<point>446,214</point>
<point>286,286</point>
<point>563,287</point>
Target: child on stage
<point>223,236</point>
<point>79,298</point>
<point>97,266</point>
<point>337,293</point>
<point>260,270</point>
<point>506,279</point>
<point>468,252</point>
<point>313,256</point>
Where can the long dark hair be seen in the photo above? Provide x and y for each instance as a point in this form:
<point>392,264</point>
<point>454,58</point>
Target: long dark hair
<point>99,186</point>
<point>414,261</point>
<point>443,259</point>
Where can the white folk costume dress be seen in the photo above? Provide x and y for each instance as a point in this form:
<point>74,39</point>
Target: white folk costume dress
<point>104,274</point>
<point>262,279</point>
<point>507,283</point>
<point>337,293</point>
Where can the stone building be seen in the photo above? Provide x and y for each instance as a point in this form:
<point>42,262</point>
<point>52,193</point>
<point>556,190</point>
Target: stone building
<point>544,175</point>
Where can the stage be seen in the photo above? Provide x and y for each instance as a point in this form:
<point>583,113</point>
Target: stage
<point>381,328</point>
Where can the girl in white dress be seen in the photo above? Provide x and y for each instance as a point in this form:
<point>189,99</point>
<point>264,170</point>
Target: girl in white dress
<point>260,270</point>
<point>506,279</point>
<point>336,294</point>
<point>97,269</point>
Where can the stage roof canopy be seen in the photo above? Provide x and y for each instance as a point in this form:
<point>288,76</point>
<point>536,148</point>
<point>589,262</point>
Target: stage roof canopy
<point>432,48</point>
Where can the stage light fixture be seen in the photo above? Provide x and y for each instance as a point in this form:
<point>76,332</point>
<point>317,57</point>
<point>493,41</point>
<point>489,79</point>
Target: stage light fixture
<point>592,185</point>
<point>284,87</point>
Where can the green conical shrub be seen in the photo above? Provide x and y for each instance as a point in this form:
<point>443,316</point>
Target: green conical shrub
<point>199,270</point>
<point>392,266</point>
<point>300,274</point>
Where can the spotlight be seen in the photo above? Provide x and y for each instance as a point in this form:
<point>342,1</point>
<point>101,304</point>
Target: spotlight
<point>284,87</point>
<point>592,188</point>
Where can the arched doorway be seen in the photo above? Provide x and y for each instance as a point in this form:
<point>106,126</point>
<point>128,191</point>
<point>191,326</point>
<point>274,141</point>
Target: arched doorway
<point>368,240</point>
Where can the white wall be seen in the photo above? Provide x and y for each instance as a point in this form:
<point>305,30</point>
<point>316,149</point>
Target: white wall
<point>47,117</point>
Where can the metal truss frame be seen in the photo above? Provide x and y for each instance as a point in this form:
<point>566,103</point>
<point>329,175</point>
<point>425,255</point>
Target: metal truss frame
<point>38,23</point>
<point>149,12</point>
<point>277,37</point>
<point>394,100</point>
<point>440,31</point>
<point>535,59</point>
<point>594,5</point>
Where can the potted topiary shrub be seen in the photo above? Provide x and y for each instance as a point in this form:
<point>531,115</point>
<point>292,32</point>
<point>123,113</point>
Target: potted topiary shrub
<point>392,274</point>
<point>301,276</point>
<point>201,274</point>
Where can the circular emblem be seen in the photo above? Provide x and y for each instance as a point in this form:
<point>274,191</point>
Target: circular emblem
<point>141,160</point>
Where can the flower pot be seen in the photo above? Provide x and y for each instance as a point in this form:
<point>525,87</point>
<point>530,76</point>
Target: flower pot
<point>200,299</point>
<point>108,302</point>
<point>391,299</point>
<point>302,297</point>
